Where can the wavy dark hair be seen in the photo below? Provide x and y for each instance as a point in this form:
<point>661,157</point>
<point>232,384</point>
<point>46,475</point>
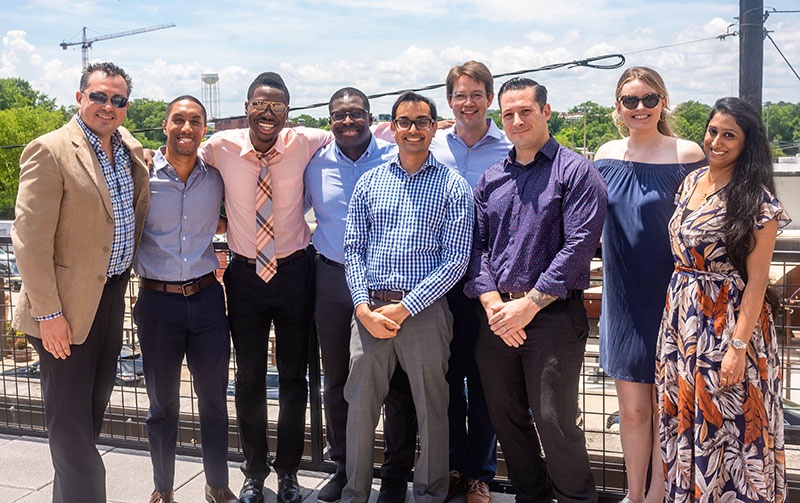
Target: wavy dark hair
<point>744,194</point>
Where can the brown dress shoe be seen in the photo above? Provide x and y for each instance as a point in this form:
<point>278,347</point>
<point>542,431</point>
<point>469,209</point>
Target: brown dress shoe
<point>456,484</point>
<point>162,497</point>
<point>478,492</point>
<point>223,495</point>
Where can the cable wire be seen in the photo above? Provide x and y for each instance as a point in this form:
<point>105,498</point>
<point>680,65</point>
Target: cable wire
<point>781,53</point>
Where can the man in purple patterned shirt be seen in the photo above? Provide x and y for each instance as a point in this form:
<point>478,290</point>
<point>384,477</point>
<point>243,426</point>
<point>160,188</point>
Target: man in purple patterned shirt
<point>539,213</point>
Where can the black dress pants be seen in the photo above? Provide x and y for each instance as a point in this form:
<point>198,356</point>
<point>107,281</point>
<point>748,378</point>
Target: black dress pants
<point>76,392</point>
<point>538,383</point>
<point>253,305</point>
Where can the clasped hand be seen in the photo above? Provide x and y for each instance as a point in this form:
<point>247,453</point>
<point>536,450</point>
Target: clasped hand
<point>384,322</point>
<point>509,319</point>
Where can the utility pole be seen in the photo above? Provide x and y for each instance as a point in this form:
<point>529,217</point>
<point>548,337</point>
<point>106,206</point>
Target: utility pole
<point>751,51</point>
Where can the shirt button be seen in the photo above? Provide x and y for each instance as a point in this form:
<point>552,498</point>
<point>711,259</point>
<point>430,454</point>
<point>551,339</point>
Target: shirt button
<point>184,260</point>
<point>109,220</point>
<point>184,238</point>
<point>184,217</point>
<point>102,278</point>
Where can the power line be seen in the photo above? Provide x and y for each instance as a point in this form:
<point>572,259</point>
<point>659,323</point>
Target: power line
<point>721,36</point>
<point>781,53</point>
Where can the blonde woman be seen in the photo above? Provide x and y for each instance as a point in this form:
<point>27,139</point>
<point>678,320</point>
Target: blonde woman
<point>643,171</point>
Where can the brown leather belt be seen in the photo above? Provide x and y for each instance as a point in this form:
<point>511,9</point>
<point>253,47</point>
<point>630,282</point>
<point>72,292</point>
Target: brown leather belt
<point>186,289</point>
<point>330,262</point>
<point>388,295</point>
<point>281,261</point>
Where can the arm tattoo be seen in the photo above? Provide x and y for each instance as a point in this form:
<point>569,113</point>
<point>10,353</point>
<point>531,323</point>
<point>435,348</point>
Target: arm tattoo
<point>541,300</point>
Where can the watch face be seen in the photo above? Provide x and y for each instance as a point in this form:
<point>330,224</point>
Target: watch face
<point>736,343</point>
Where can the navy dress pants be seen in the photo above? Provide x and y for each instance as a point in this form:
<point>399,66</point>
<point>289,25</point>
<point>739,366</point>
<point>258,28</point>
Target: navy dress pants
<point>171,326</point>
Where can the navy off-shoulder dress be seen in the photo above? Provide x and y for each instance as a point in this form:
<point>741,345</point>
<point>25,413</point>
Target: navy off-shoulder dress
<point>637,263</point>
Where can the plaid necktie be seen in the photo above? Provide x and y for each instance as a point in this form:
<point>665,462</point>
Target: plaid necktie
<point>266,263</point>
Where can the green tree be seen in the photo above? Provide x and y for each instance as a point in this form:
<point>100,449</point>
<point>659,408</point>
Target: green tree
<point>495,116</point>
<point>308,121</point>
<point>144,113</point>
<point>17,93</point>
<point>19,126</point>
<point>784,126</point>
<point>689,121</point>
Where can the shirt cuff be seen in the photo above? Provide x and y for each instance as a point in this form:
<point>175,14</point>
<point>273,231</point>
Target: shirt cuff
<point>48,317</point>
<point>360,297</point>
<point>557,290</point>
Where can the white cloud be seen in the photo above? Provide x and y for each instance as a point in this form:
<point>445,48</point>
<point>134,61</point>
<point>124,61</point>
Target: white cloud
<point>537,37</point>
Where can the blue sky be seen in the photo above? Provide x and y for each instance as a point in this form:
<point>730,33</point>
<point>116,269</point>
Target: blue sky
<point>320,46</point>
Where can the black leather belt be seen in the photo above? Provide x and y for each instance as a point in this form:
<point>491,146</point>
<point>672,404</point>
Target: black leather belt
<point>186,289</point>
<point>330,262</point>
<point>281,261</point>
<point>571,294</point>
<point>388,295</point>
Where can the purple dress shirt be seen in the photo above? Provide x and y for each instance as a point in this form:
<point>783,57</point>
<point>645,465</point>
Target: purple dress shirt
<point>538,225</point>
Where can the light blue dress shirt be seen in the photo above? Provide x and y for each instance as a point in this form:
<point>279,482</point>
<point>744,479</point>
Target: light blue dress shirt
<point>181,222</point>
<point>408,232</point>
<point>470,162</point>
<point>329,180</point>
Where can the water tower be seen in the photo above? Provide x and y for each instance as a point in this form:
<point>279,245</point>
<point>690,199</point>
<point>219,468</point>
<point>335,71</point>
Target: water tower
<point>211,94</point>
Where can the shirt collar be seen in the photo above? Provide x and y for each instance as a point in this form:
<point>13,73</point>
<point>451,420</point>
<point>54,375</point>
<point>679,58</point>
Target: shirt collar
<point>279,146</point>
<point>548,150</point>
<point>430,162</point>
<point>116,136</point>
<point>160,161</point>
<point>368,153</point>
<point>492,132</point>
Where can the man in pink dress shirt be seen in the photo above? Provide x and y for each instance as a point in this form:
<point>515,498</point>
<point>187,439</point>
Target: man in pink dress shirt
<point>284,299</point>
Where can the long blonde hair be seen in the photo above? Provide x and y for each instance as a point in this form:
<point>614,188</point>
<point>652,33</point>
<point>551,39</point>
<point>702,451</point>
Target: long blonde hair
<point>652,79</point>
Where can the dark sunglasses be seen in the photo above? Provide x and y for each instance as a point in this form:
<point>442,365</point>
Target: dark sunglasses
<point>422,123</point>
<point>648,100</point>
<point>101,98</point>
<point>355,115</point>
<point>275,106</point>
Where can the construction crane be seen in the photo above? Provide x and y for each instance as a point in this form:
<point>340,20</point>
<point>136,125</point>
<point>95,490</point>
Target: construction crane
<point>86,43</point>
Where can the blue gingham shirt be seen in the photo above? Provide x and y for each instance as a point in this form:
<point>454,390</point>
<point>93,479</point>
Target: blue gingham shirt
<point>408,232</point>
<point>120,188</point>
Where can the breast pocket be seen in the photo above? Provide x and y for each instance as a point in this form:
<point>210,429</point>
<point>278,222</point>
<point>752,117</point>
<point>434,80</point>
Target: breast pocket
<point>287,192</point>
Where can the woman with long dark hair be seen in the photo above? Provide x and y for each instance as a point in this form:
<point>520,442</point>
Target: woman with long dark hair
<point>718,376</point>
<point>642,171</point>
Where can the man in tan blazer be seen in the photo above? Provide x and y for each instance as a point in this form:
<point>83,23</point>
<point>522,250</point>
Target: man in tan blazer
<point>83,196</point>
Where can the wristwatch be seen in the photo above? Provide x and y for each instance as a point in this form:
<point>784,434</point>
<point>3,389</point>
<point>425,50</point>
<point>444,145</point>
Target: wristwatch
<point>737,344</point>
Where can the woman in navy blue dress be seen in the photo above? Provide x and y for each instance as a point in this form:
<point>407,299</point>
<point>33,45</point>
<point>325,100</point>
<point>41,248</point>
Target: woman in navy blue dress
<point>643,171</point>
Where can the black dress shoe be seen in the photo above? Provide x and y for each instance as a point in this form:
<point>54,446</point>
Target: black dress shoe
<point>289,489</point>
<point>252,491</point>
<point>332,491</point>
<point>392,491</point>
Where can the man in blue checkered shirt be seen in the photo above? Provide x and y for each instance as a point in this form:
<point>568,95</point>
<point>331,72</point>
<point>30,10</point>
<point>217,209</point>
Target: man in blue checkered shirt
<point>407,242</point>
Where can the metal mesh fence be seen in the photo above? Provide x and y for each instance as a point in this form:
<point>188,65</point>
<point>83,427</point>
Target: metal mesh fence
<point>21,408</point>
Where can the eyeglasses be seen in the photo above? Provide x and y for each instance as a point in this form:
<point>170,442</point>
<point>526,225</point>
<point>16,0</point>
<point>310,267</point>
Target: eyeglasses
<point>355,115</point>
<point>649,100</point>
<point>276,107</point>
<point>101,98</point>
<point>422,123</point>
<point>459,98</point>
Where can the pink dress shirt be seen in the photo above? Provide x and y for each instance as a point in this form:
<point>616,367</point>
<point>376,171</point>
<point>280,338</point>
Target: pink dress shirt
<point>232,153</point>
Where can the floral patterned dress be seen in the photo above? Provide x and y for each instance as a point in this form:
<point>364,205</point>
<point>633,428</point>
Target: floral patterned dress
<point>718,444</point>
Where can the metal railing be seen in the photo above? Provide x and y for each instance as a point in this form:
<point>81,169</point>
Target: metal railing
<point>21,408</point>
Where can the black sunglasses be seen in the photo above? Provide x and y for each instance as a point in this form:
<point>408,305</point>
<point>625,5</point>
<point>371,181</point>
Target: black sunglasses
<point>101,98</point>
<point>422,123</point>
<point>649,100</point>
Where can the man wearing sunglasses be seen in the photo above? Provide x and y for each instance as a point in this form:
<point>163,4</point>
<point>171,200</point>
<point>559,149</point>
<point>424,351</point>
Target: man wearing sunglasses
<point>406,243</point>
<point>539,213</point>
<point>83,196</point>
<point>270,277</point>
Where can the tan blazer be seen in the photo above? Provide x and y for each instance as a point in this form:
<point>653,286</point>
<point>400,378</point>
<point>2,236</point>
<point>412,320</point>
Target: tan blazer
<point>64,227</point>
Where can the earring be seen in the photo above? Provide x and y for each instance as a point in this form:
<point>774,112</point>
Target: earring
<point>663,115</point>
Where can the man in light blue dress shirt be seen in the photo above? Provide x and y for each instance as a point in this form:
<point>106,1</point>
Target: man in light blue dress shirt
<point>180,311</point>
<point>329,180</point>
<point>407,240</point>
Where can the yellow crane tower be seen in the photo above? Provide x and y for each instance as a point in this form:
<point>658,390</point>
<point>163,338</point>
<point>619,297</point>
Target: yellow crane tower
<point>86,43</point>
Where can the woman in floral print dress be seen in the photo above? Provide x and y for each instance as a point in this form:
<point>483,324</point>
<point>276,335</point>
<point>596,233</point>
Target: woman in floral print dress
<point>718,375</point>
